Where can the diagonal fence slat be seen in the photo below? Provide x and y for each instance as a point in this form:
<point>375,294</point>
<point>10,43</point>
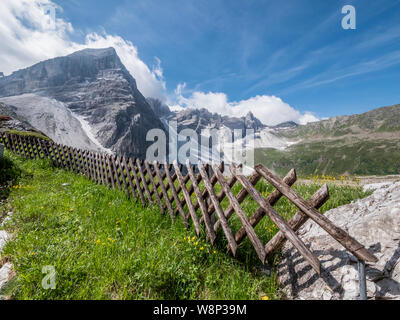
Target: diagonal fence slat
<point>224,222</point>
<point>175,196</point>
<point>273,198</point>
<point>157,196</point>
<point>317,200</point>
<point>202,204</point>
<point>258,246</point>
<point>143,178</point>
<point>163,190</point>
<point>337,233</point>
<point>279,221</point>
<point>188,200</point>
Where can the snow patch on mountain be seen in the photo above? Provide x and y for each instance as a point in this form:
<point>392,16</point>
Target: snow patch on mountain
<point>89,132</point>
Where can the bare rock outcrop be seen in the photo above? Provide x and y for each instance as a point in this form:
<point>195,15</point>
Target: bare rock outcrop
<point>373,221</point>
<point>87,100</point>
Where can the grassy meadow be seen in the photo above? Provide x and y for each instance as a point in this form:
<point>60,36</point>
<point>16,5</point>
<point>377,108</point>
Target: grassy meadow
<point>106,246</point>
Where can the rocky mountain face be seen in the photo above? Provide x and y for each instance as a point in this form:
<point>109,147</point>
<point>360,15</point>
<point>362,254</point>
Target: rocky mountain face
<point>87,99</point>
<point>200,119</point>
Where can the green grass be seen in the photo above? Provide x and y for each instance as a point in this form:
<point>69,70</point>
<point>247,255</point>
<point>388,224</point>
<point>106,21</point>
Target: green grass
<point>104,246</point>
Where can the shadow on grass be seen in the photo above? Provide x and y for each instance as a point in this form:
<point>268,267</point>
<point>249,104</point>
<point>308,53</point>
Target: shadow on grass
<point>9,175</point>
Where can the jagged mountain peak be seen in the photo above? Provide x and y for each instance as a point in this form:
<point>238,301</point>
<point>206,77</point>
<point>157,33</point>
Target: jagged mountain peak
<point>86,99</point>
<point>96,52</point>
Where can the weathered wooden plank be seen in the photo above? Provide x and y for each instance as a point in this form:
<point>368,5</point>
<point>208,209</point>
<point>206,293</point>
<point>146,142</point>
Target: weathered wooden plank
<point>272,199</point>
<point>190,189</point>
<point>72,158</point>
<point>157,195</point>
<point>258,246</point>
<point>137,182</point>
<point>203,208</point>
<point>317,201</point>
<point>91,166</point>
<point>13,144</point>
<point>230,210</point>
<point>86,163</point>
<point>56,151</point>
<point>35,148</point>
<point>110,170</point>
<point>95,167</point>
<point>103,170</point>
<point>68,159</point>
<point>129,177</point>
<point>218,209</point>
<point>175,195</point>
<point>337,233</point>
<point>186,195</point>
<point>27,145</point>
<point>124,174</point>
<point>81,162</point>
<point>213,181</point>
<point>279,221</point>
<point>22,147</point>
<point>163,190</point>
<point>143,178</point>
<point>44,150</point>
<point>115,171</point>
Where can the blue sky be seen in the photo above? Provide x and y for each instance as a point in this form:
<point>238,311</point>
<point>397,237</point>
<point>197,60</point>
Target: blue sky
<point>296,50</point>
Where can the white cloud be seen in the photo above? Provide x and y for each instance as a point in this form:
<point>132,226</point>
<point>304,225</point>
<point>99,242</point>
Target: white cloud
<point>270,110</point>
<point>27,37</point>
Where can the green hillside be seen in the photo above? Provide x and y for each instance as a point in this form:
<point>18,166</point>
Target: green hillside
<point>365,144</point>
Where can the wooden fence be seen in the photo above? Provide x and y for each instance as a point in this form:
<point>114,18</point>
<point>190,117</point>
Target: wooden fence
<point>165,186</point>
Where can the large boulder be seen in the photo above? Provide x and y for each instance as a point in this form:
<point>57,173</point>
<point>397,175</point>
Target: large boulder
<point>375,223</point>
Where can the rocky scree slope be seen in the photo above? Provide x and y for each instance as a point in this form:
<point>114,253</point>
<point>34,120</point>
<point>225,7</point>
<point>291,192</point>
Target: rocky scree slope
<point>375,223</point>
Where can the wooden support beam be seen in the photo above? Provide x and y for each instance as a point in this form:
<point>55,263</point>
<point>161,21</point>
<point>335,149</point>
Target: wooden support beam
<point>279,221</point>
<point>337,233</point>
<point>258,246</point>
<point>203,208</point>
<point>186,194</point>
<point>317,201</point>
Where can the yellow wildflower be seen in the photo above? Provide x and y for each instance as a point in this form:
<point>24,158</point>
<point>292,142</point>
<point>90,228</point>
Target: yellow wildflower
<point>265,298</point>
<point>215,252</point>
<point>196,243</point>
<point>201,248</point>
